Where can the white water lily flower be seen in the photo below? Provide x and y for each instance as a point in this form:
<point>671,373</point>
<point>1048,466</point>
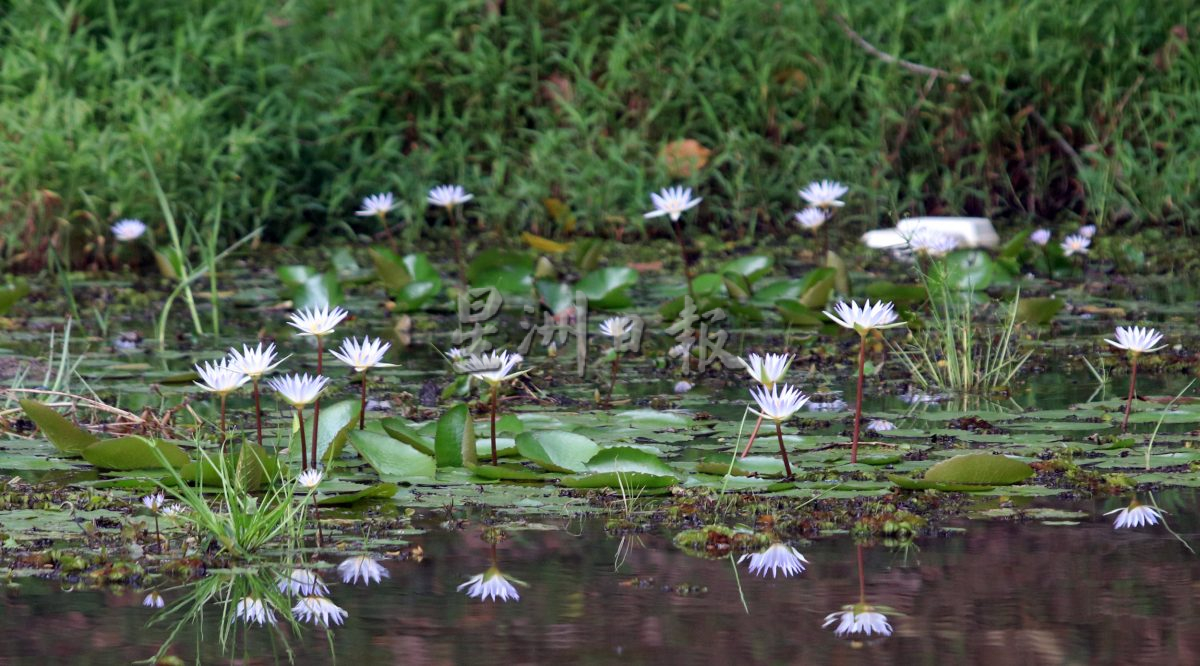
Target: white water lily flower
<point>173,509</point>
<point>672,202</point>
<point>776,559</point>
<point>302,583</point>
<point>932,243</point>
<point>254,362</point>
<point>779,402</point>
<point>362,568</point>
<point>490,585</point>
<point>1040,237</point>
<point>317,321</point>
<point>767,370</point>
<point>448,196</point>
<point>865,318</point>
<point>219,377</point>
<point>811,218</point>
<point>683,386</point>
<point>1137,339</point>
<point>824,194</point>
<point>310,478</point>
<point>128,230</point>
<point>617,327</point>
<point>154,600</point>
<point>154,502</point>
<point>377,204</point>
<point>250,609</point>
<point>1135,515</point>
<point>880,425</point>
<point>1076,244</point>
<point>493,367</point>
<point>363,355</point>
<point>859,619</point>
<point>1087,230</point>
<point>299,390</point>
<point>320,611</point>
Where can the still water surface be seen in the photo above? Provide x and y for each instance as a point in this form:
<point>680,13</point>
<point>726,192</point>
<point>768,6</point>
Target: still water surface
<point>998,593</point>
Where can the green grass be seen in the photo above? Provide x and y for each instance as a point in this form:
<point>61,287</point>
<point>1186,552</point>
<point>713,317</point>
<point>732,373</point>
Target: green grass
<point>284,114</point>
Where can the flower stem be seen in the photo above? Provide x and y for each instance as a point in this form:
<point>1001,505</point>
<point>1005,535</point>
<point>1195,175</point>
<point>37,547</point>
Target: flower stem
<point>157,534</point>
<point>495,390</point>
<point>862,581</point>
<point>362,410</point>
<point>387,230</point>
<point>458,253</point>
<point>257,412</point>
<point>753,434</point>
<point>317,402</point>
<point>1132,386</point>
<point>862,358</point>
<point>317,518</point>
<point>616,365</point>
<point>223,398</point>
<point>303,447</point>
<point>787,465</point>
<point>687,271</point>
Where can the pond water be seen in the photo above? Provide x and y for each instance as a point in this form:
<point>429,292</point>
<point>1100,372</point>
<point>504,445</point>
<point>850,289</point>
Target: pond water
<point>997,593</point>
<point>1035,575</point>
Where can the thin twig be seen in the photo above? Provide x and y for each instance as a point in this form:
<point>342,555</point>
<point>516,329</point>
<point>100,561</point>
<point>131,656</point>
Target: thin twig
<point>1062,143</point>
<point>916,68</point>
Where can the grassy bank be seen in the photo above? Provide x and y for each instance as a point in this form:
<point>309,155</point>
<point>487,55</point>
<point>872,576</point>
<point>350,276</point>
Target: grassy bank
<point>285,113</point>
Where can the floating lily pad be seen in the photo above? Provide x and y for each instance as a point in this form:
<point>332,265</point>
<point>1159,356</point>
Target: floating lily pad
<point>68,438</point>
<point>390,457</point>
<point>129,453</point>
<point>979,468</point>
<point>377,491</point>
<point>556,450</point>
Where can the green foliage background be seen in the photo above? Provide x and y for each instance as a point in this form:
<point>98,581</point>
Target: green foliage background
<point>289,112</point>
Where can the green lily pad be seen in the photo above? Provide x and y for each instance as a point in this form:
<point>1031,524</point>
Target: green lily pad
<point>556,450</point>
<point>68,438</point>
<point>454,443</point>
<point>400,430</point>
<point>979,468</point>
<point>608,288</point>
<point>336,420</point>
<point>909,483</point>
<point>128,453</point>
<point>377,491</point>
<point>626,480</point>
<point>626,459</point>
<point>390,457</point>
<point>507,472</point>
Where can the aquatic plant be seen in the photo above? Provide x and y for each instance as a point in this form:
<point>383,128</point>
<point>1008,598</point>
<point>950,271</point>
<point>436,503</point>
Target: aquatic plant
<point>299,391</point>
<point>240,522</point>
<point>154,502</point>
<point>673,202</point>
<point>319,611</point>
<point>379,205</point>
<point>255,363</point>
<point>862,320</point>
<point>617,328</point>
<point>824,198</point>
<point>128,230</point>
<point>494,368</point>
<point>318,323</point>
<point>220,378</point>
<point>767,371</point>
<point>452,198</point>
<point>1137,341</point>
<point>363,356</point>
<point>862,617</point>
<point>310,480</point>
<point>1076,244</point>
<point>778,403</point>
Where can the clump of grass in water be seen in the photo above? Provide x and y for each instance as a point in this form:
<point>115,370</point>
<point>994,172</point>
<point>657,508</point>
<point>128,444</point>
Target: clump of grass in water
<point>239,522</point>
<point>950,352</point>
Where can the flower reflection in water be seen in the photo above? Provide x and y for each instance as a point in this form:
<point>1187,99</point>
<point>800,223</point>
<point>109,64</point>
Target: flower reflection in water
<point>777,559</point>
<point>492,584</point>
<point>861,618</point>
<point>361,569</point>
<point>319,611</point>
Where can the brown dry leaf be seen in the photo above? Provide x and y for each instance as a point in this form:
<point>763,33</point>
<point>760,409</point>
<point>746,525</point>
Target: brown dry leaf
<point>684,157</point>
<point>647,267</point>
